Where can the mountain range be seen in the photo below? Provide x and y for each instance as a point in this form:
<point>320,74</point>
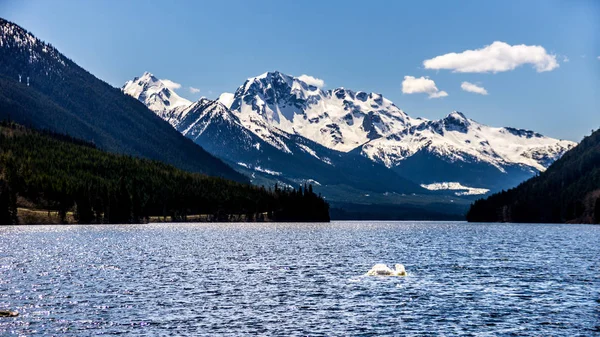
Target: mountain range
<point>352,144</point>
<point>354,147</point>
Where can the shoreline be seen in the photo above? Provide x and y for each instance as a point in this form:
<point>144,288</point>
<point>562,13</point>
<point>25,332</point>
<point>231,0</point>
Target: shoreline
<point>28,216</point>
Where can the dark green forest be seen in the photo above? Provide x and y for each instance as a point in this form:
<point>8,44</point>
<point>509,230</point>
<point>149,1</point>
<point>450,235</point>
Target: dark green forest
<point>568,191</point>
<point>49,171</point>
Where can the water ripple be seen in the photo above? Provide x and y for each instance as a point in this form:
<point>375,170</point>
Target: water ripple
<point>301,279</point>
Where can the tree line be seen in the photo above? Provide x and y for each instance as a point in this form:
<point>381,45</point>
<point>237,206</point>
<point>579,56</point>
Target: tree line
<point>56,172</point>
<point>568,191</point>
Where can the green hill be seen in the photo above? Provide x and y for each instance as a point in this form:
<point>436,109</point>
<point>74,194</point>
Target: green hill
<point>53,172</point>
<point>568,191</point>
<point>63,97</point>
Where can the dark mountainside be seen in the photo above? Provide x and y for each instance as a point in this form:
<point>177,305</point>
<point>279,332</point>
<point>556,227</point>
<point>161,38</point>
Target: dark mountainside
<point>43,171</point>
<point>568,191</point>
<point>63,97</point>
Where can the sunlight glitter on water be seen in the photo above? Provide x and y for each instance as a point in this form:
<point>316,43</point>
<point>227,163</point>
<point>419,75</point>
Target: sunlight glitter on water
<point>300,279</point>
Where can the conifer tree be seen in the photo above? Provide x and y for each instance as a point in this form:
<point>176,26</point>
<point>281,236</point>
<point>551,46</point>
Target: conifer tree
<point>62,174</point>
<point>597,211</point>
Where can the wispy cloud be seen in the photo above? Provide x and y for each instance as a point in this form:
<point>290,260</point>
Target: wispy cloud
<point>194,90</point>
<point>317,82</point>
<point>565,59</point>
<point>470,87</point>
<point>170,84</point>
<point>495,58</point>
<point>421,85</point>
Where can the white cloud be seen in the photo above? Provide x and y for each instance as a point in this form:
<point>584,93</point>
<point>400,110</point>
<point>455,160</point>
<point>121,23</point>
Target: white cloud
<point>438,94</point>
<point>170,84</point>
<point>317,82</point>
<point>470,87</point>
<point>565,59</point>
<point>194,90</point>
<point>497,57</point>
<point>413,85</point>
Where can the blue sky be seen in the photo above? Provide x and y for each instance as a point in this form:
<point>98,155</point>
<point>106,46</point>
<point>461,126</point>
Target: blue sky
<point>215,45</point>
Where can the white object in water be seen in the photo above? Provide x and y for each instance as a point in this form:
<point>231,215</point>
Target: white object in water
<point>383,270</point>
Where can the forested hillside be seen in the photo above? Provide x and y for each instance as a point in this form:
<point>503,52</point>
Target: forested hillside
<point>569,191</point>
<point>49,171</point>
<point>42,88</point>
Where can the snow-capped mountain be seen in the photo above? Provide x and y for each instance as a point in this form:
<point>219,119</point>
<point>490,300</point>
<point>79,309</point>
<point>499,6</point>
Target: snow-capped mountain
<point>157,97</point>
<point>279,156</point>
<point>339,119</point>
<point>459,139</point>
<point>345,120</point>
<point>210,124</point>
<point>274,119</point>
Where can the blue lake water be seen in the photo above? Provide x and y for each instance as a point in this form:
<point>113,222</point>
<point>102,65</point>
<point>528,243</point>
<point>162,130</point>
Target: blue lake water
<point>301,279</point>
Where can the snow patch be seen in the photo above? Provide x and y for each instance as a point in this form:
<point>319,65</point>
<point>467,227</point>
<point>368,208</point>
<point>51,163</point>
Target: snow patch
<point>313,182</point>
<point>264,170</point>
<point>454,186</point>
<point>226,99</point>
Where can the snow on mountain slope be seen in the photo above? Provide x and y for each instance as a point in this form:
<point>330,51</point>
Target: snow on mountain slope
<point>457,187</point>
<point>280,156</point>
<point>339,119</point>
<point>171,107</point>
<point>457,138</point>
<point>198,116</point>
<point>157,97</point>
<point>226,99</point>
<point>12,36</point>
<point>212,117</point>
<point>277,112</point>
<point>344,120</point>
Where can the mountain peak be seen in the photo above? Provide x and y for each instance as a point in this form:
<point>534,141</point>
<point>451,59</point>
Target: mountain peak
<point>457,121</point>
<point>148,77</point>
<point>457,115</point>
<point>151,91</point>
<point>269,73</point>
<point>340,119</point>
<point>270,76</point>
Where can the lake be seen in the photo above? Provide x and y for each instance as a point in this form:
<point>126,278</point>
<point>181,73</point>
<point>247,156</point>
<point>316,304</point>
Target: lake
<point>301,279</point>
